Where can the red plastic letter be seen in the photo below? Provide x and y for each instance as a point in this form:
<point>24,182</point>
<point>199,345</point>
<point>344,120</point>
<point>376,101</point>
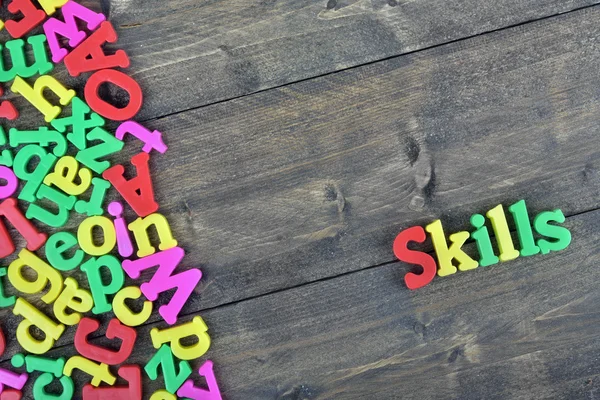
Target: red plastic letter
<point>89,55</point>
<point>115,330</point>
<point>32,17</point>
<point>131,373</point>
<point>34,239</point>
<point>105,109</point>
<point>143,203</point>
<point>415,234</point>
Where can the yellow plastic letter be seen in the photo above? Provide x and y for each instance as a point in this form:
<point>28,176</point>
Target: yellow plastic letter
<point>140,226</point>
<point>99,372</point>
<point>505,243</point>
<point>79,300</point>
<point>44,274</point>
<point>50,6</point>
<point>445,255</point>
<point>124,313</point>
<point>86,240</point>
<point>65,172</point>
<point>195,327</point>
<point>162,395</point>
<point>33,317</point>
<point>35,94</point>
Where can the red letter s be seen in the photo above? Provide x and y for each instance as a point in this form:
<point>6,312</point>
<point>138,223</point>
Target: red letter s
<point>415,234</point>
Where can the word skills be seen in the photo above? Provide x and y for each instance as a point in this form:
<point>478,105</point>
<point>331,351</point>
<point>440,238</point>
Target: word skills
<point>450,255</point>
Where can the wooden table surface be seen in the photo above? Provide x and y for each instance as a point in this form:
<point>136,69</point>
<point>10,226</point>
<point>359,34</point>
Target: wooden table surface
<point>305,135</point>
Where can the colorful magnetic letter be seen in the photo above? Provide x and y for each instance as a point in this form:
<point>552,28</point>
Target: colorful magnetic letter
<point>402,252</point>
<point>137,191</point>
<point>8,111</point>
<point>34,178</point>
<point>483,241</point>
<point>50,6</point>
<point>446,254</point>
<point>121,80</point>
<point>161,395</point>
<point>140,227</point>
<point>2,342</point>
<point>35,94</point>
<point>80,124</point>
<point>68,29</point>
<point>123,240</point>
<point>33,317</point>
<point>39,364</point>
<point>39,387</point>
<point>124,313</point>
<point>99,290</point>
<point>11,394</point>
<point>44,274</point>
<point>9,210</point>
<point>190,391</point>
<point>524,231</point>
<point>151,140</point>
<point>164,358</point>
<point>4,300</point>
<point>500,225</point>
<point>560,233</point>
<point>115,330</point>
<point>19,67</point>
<point>131,373</point>
<point>12,183</point>
<point>57,245</point>
<point>90,156</point>
<point>99,372</point>
<point>90,56</point>
<point>64,204</point>
<point>86,239</point>
<point>175,335</point>
<point>66,170</point>
<point>32,17</point>
<point>42,137</point>
<point>164,280</point>
<point>9,378</point>
<point>79,300</point>
<point>93,207</point>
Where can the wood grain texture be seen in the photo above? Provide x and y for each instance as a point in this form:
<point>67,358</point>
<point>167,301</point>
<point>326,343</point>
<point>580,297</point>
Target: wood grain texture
<point>521,330</point>
<point>189,53</point>
<point>316,179</point>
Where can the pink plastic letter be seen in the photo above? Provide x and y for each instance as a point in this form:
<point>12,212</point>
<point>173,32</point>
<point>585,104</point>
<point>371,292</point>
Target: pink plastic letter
<point>188,390</point>
<point>151,140</point>
<point>163,280</point>
<point>12,182</point>
<point>69,29</point>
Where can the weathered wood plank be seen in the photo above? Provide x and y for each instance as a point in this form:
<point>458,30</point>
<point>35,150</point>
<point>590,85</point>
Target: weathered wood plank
<point>190,53</point>
<point>316,179</point>
<point>524,329</point>
<point>195,53</point>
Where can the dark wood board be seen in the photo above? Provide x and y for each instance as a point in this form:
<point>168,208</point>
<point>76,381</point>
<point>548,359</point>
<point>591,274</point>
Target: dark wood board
<point>316,179</point>
<point>190,53</point>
